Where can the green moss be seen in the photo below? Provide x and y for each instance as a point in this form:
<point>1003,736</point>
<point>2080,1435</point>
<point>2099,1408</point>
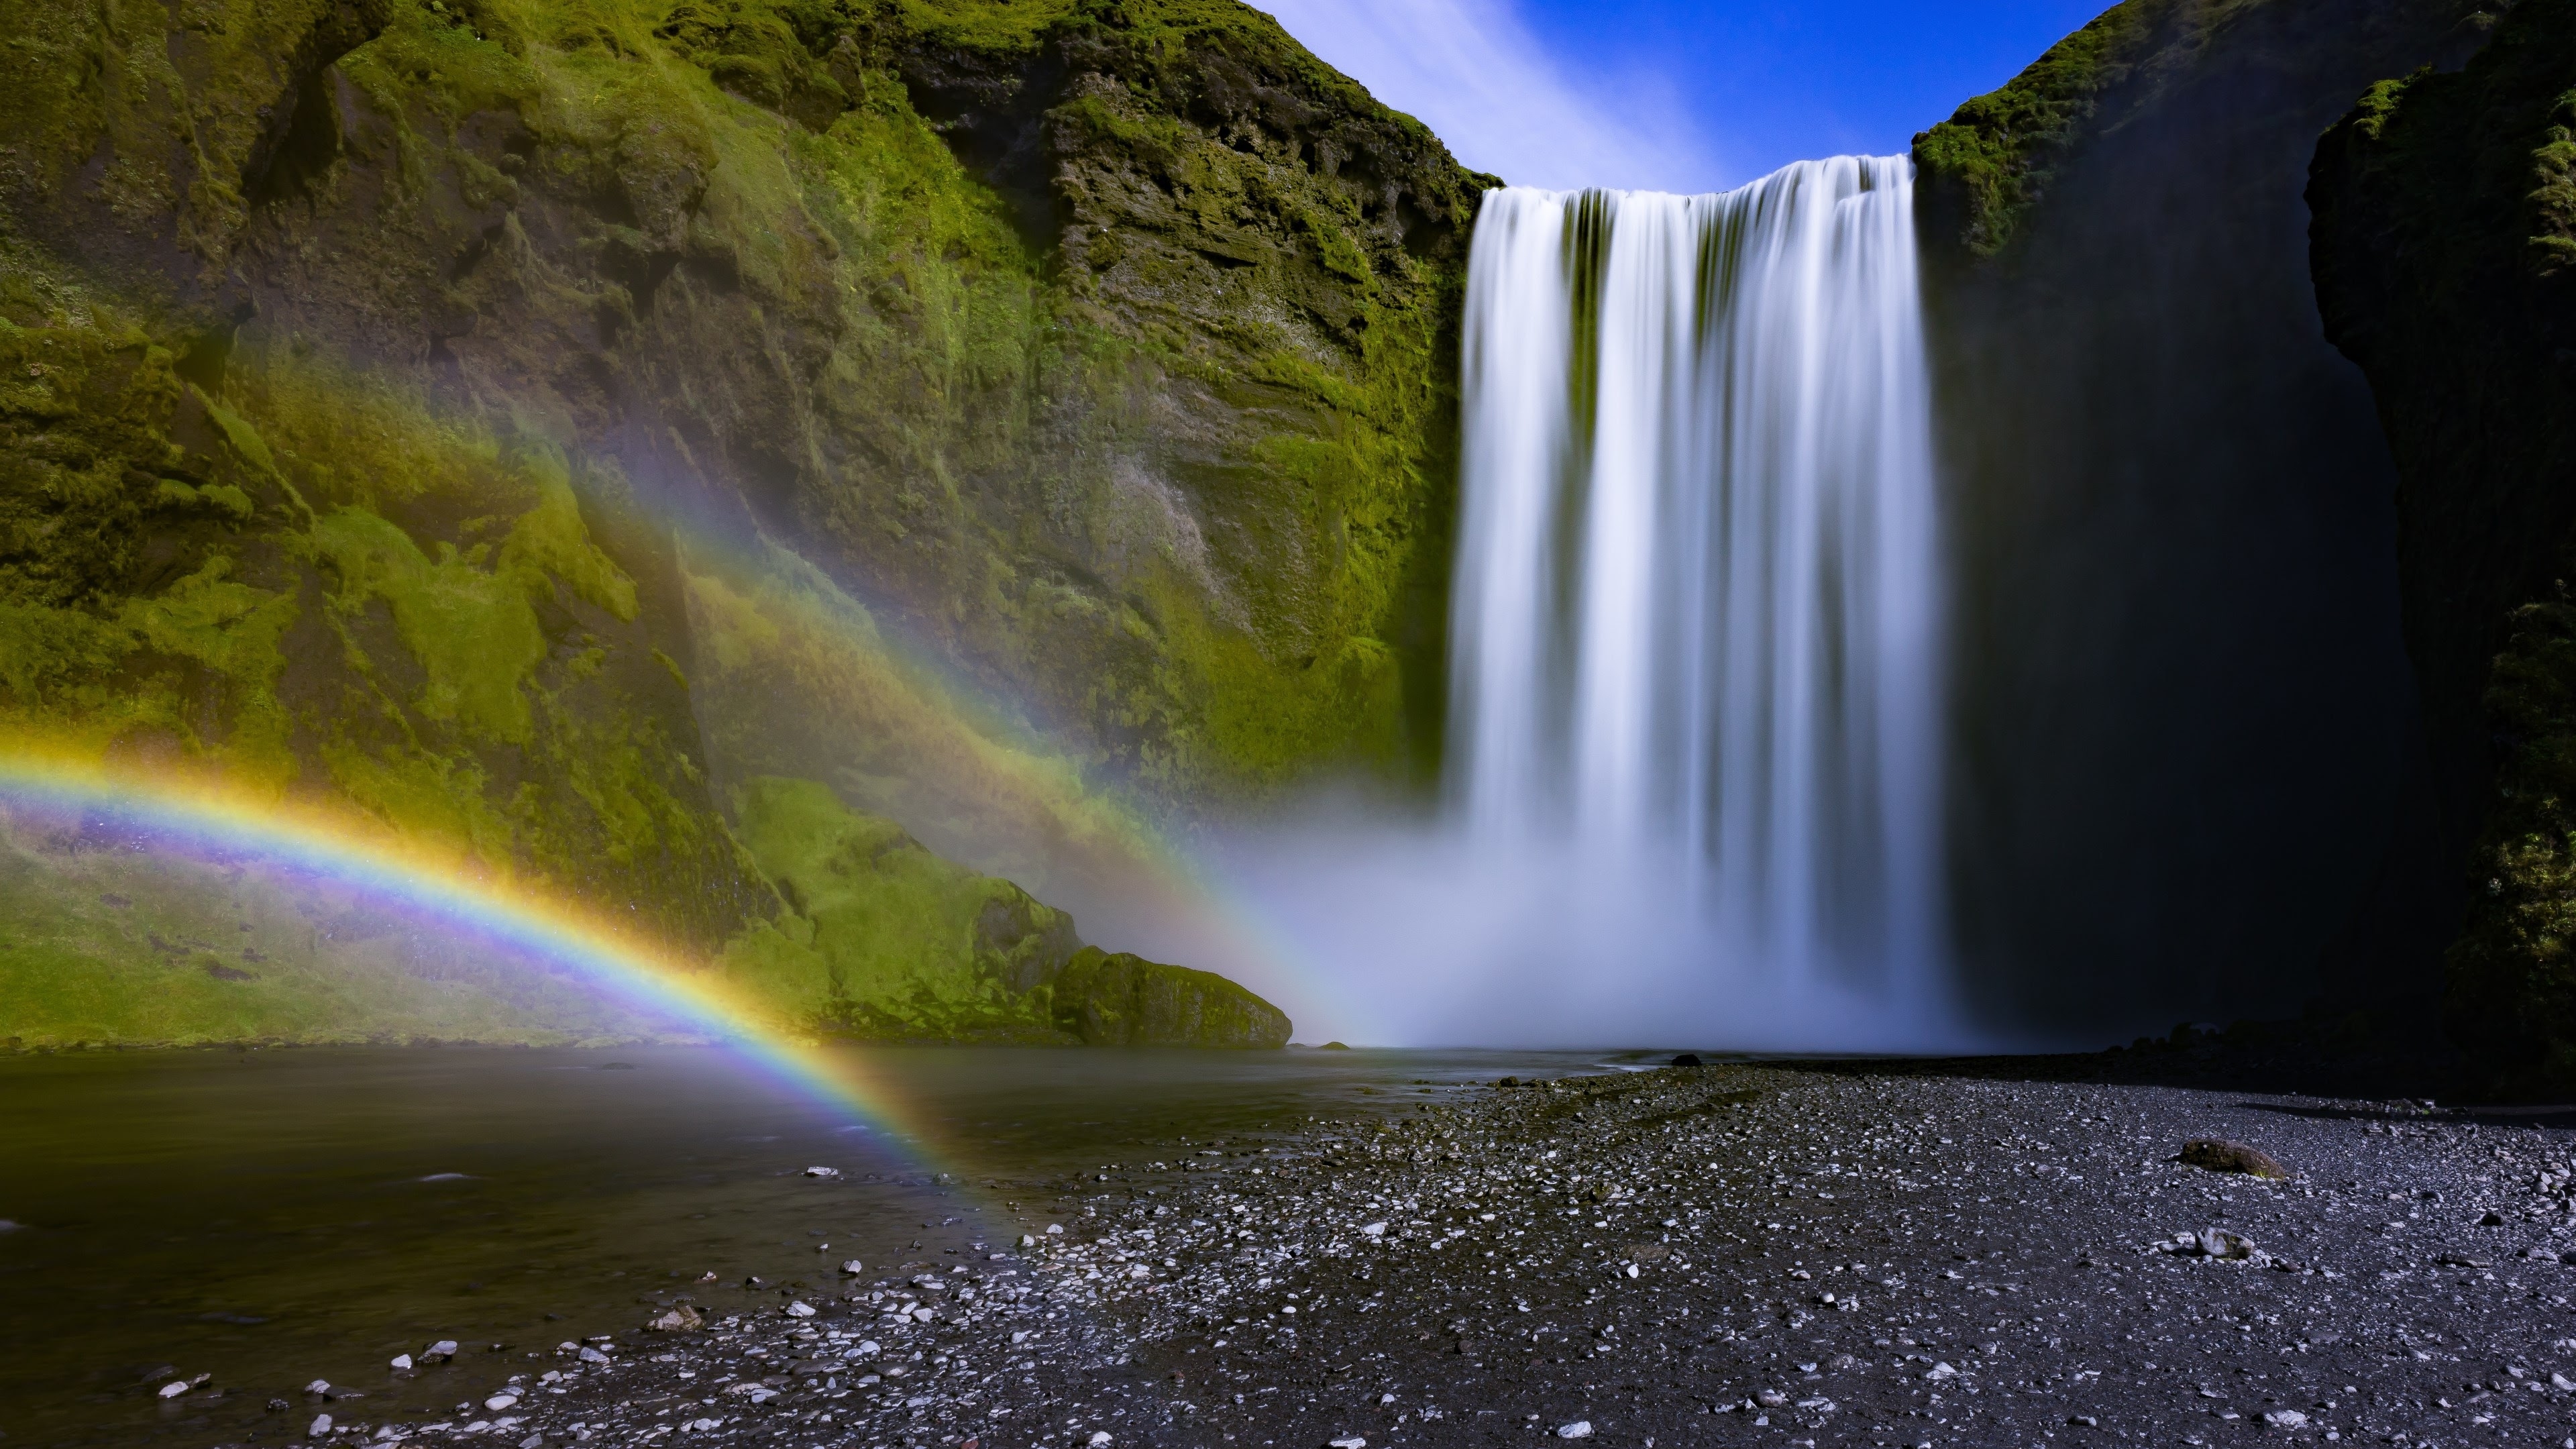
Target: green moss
<point>110,946</point>
<point>888,941</point>
<point>1998,150</point>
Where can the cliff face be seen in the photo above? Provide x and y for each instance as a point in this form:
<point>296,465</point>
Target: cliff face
<point>398,389</point>
<point>2185,719</point>
<point>2444,236</point>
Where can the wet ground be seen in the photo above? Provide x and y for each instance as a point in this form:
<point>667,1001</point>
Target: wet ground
<point>266,1219</point>
<point>1728,1254</point>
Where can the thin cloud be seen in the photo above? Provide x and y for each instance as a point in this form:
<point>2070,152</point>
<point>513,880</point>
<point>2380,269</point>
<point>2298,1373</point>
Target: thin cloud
<point>1473,73</point>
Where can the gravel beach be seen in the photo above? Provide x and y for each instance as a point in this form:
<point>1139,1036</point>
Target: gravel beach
<point>1723,1254</point>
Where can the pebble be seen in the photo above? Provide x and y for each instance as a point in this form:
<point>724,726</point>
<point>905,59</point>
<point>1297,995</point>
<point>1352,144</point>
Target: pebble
<point>174,1388</point>
<point>1579,1429</point>
<point>820,1171</point>
<point>321,1427</point>
<point>853,1267</point>
<point>1348,1441</point>
<point>402,1361</point>
<point>1970,1216</point>
<point>445,1348</point>
<point>499,1402</point>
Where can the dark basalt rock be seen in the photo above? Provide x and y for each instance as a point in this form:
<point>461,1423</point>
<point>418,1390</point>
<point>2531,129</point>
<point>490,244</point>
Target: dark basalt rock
<point>2445,228</point>
<point>2183,709</point>
<point>2217,1154</point>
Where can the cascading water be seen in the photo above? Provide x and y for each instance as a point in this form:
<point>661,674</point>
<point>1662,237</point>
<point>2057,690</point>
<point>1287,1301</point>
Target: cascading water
<point>1694,733</point>
<point>1697,584</point>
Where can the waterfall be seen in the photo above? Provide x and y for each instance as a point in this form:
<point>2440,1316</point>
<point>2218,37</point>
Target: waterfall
<point>1695,649</point>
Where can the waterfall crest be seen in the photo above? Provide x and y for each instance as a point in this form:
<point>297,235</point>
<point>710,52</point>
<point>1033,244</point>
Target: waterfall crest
<point>1697,599</point>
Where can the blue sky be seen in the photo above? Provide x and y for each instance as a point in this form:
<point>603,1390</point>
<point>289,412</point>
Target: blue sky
<point>1669,95</point>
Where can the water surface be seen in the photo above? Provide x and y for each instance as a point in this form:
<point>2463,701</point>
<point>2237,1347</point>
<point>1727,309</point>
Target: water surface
<point>275,1217</point>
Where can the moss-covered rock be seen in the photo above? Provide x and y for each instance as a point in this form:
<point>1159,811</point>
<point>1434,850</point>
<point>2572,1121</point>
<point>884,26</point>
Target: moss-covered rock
<point>884,941</point>
<point>396,390</point>
<point>2442,241</point>
<point>1126,1000</point>
<point>1985,167</point>
<point>1104,345</point>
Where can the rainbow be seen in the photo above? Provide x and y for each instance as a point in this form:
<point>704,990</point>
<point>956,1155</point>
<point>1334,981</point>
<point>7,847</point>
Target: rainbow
<point>443,887</point>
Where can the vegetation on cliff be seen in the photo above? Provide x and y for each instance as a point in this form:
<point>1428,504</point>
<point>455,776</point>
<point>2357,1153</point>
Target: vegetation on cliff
<point>354,444</point>
<point>1985,167</point>
<point>2442,236</point>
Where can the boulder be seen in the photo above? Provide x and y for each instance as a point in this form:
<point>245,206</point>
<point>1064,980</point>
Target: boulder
<point>2217,1154</point>
<point>1122,999</point>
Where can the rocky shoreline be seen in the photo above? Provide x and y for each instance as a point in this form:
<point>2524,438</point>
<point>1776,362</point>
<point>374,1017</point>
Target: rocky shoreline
<point>1840,1254</point>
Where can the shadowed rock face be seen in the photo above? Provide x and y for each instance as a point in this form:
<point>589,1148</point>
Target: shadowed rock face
<point>2185,720</point>
<point>2445,232</point>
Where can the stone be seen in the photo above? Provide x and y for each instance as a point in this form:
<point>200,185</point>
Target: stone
<point>822,1172</point>
<point>445,1348</point>
<point>1028,1240</point>
<point>853,1267</point>
<point>174,1388</point>
<point>320,1388</point>
<point>1098,1438</point>
<point>321,1427</point>
<point>498,1402</point>
<point>1348,1441</point>
<point>1771,1399</point>
<point>592,1355</point>
<point>678,1318</point>
<point>1373,1230</point>
<point>1940,1371</point>
<point>800,1309</point>
<point>1579,1429</point>
<point>1687,1059</point>
<point>2222,1244</point>
<point>2218,1154</point>
<point>402,1361</point>
<point>2286,1419</point>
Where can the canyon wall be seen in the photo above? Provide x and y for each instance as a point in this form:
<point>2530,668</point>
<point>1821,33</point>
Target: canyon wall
<point>399,393</point>
<point>2189,780</point>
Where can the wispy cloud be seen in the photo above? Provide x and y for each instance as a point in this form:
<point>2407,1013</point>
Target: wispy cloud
<point>1473,73</point>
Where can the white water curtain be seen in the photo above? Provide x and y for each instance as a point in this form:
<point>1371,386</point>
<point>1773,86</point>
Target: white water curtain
<point>1697,603</point>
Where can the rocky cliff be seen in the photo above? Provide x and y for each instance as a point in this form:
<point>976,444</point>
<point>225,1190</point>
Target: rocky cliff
<point>2185,720</point>
<point>2445,262</point>
<point>398,393</point>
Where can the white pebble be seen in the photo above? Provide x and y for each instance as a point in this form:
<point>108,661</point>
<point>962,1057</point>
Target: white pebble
<point>174,1388</point>
<point>1579,1429</point>
<point>402,1361</point>
<point>321,1426</point>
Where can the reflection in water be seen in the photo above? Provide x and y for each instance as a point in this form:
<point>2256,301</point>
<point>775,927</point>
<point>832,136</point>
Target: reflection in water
<point>275,1217</point>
